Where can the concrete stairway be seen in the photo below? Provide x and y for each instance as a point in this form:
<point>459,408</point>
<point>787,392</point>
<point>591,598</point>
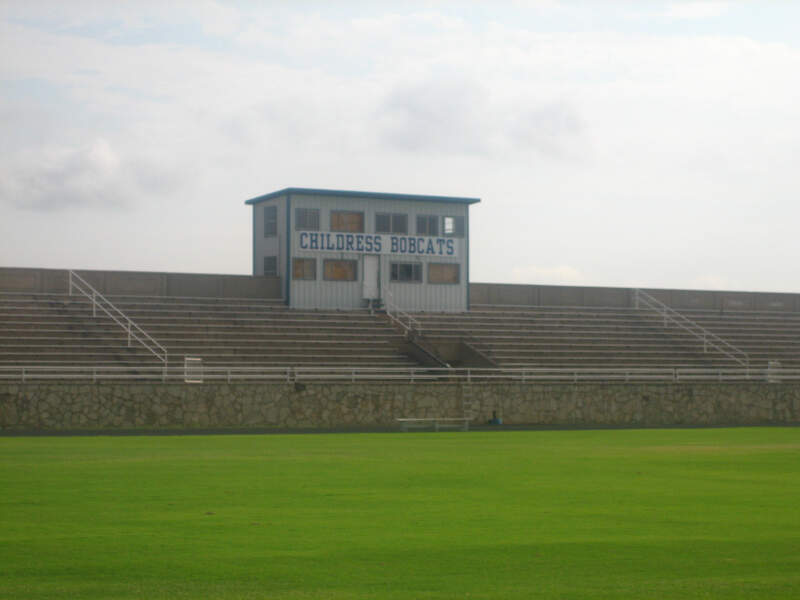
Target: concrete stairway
<point>59,330</point>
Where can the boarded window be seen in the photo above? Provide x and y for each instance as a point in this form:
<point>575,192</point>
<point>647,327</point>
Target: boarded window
<point>347,221</point>
<point>270,221</point>
<point>306,219</point>
<point>304,268</point>
<point>443,273</point>
<point>409,272</point>
<point>340,270</point>
<point>391,223</point>
<point>453,226</point>
<point>427,225</point>
<point>271,266</point>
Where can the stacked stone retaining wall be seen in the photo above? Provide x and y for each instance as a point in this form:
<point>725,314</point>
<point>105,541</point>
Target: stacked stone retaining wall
<point>117,406</point>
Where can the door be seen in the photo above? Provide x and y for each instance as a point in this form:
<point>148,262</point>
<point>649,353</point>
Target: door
<point>370,279</point>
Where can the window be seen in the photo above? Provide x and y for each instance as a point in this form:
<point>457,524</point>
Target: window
<point>304,268</point>
<point>340,270</point>
<point>306,219</point>
<point>270,266</point>
<point>347,221</point>
<point>427,225</point>
<point>453,226</point>
<point>411,272</point>
<point>270,220</point>
<point>443,273</point>
<point>386,223</point>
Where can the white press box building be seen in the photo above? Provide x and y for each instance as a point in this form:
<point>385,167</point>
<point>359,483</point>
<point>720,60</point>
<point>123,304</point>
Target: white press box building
<point>346,250</point>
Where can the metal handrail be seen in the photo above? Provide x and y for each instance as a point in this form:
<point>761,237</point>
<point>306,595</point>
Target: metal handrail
<point>397,314</point>
<point>116,315</point>
<point>233,374</point>
<point>708,338</point>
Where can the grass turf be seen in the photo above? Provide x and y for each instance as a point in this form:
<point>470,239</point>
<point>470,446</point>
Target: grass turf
<point>570,514</point>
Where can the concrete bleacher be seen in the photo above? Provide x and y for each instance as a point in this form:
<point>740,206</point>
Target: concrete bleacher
<point>764,335</point>
<point>571,337</point>
<point>59,330</point>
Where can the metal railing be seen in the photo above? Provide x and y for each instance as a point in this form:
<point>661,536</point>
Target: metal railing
<point>135,332</point>
<point>234,374</point>
<point>410,325</point>
<point>709,339</point>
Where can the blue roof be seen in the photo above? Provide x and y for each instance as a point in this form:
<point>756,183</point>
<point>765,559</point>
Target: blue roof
<point>371,195</point>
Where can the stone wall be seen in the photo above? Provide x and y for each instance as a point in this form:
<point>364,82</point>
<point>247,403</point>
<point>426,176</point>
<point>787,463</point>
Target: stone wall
<point>52,407</point>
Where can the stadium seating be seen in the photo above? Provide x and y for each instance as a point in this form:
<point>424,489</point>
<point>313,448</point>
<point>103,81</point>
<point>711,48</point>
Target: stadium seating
<point>59,330</point>
<point>527,336</point>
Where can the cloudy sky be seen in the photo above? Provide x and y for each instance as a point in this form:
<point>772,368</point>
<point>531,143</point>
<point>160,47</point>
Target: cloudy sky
<point>612,143</point>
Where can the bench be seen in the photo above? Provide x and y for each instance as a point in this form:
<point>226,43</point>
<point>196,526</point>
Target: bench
<point>437,423</point>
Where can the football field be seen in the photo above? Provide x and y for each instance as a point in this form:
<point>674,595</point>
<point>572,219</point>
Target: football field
<point>700,513</point>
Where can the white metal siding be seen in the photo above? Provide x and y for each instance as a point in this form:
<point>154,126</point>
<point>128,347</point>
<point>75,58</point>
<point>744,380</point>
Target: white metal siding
<point>409,296</point>
<point>273,245</point>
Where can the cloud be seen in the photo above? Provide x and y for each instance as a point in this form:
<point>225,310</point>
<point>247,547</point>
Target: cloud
<point>553,275</point>
<point>458,116</point>
<point>695,10</point>
<point>94,175</point>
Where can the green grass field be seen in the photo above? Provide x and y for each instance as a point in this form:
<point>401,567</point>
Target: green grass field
<point>536,514</point>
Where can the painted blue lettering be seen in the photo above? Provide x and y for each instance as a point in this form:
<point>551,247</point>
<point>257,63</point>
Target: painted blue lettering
<point>412,245</point>
<point>348,241</point>
<point>403,243</point>
<point>313,241</point>
<point>378,243</point>
<point>367,243</point>
<point>421,245</point>
<point>360,243</point>
<point>429,249</point>
<point>340,241</point>
<point>450,248</point>
<point>328,244</point>
<point>304,240</point>
<point>395,245</point>
<point>440,243</point>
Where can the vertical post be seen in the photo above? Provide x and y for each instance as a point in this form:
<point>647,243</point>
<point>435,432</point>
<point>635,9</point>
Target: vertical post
<point>69,278</point>
<point>469,375</point>
<point>94,305</point>
<point>412,375</point>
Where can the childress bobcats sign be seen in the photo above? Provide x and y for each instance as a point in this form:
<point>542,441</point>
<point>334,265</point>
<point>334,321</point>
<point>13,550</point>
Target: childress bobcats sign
<point>376,243</point>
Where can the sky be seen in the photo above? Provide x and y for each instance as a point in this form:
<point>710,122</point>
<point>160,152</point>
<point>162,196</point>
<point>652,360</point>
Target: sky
<point>627,143</point>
